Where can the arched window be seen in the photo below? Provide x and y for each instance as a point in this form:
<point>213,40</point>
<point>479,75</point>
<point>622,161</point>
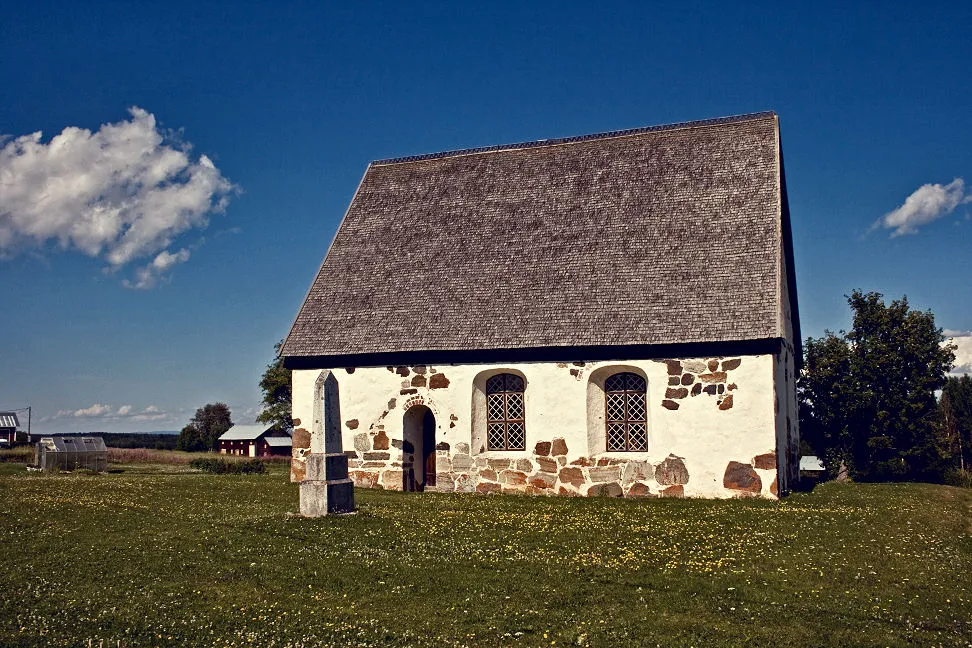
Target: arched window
<point>626,412</point>
<point>505,429</point>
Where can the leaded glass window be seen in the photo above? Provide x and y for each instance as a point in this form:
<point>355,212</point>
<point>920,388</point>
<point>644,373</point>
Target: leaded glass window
<point>505,413</point>
<point>626,413</point>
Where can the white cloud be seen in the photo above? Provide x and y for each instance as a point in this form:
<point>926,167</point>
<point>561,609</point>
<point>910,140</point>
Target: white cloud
<point>146,415</point>
<point>963,354</point>
<point>928,203</point>
<point>123,193</point>
<point>106,412</point>
<point>147,276</point>
<point>95,411</point>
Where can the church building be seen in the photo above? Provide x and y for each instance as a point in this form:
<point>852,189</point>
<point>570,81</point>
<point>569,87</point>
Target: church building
<point>611,314</point>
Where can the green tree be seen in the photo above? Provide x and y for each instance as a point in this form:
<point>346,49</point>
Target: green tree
<point>956,411</point>
<point>823,391</point>
<point>276,387</point>
<point>190,439</point>
<point>867,396</point>
<point>205,428</point>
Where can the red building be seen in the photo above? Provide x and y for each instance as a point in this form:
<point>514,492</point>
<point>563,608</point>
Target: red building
<point>255,441</point>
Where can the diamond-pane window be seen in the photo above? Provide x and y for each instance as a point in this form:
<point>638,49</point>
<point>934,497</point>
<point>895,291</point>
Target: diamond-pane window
<point>505,413</point>
<point>625,407</point>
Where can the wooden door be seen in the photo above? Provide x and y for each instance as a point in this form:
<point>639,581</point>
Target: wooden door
<point>428,447</point>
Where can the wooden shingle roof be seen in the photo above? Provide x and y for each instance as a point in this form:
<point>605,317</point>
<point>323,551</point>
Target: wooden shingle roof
<point>662,235</point>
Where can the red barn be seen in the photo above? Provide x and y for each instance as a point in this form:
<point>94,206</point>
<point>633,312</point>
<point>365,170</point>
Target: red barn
<point>255,441</point>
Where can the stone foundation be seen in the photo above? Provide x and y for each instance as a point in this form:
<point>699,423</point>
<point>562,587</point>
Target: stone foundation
<point>326,488</point>
<point>548,472</point>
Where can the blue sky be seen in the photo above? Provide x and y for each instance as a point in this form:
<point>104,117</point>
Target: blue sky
<point>284,105</point>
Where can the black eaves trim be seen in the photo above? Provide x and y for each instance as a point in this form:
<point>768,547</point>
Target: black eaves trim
<point>619,353</point>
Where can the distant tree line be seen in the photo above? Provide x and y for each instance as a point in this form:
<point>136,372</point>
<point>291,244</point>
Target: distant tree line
<point>152,441</point>
<point>868,397</point>
<point>140,440</point>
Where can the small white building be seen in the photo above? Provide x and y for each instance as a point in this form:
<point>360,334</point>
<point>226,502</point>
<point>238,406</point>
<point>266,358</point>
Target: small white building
<point>812,468</point>
<point>9,424</point>
<point>613,314</point>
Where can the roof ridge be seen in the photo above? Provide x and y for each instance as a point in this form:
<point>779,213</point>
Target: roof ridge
<point>715,121</point>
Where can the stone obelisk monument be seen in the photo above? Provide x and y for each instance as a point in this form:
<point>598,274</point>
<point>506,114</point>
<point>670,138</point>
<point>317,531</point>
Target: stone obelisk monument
<point>326,487</point>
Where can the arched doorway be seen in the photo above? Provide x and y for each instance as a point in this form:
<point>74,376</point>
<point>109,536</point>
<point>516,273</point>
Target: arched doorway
<point>418,449</point>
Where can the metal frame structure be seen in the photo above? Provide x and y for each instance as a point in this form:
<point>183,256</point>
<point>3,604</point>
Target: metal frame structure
<point>54,454</point>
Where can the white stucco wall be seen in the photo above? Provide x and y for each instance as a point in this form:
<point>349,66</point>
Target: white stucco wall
<point>563,401</point>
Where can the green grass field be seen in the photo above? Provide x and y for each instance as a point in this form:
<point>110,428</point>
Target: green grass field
<point>176,558</point>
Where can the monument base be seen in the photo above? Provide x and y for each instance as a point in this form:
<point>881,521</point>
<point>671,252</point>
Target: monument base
<point>326,488</point>
<point>319,498</point>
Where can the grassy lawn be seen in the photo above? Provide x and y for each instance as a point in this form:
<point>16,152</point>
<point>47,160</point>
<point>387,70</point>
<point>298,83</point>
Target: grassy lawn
<point>157,558</point>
